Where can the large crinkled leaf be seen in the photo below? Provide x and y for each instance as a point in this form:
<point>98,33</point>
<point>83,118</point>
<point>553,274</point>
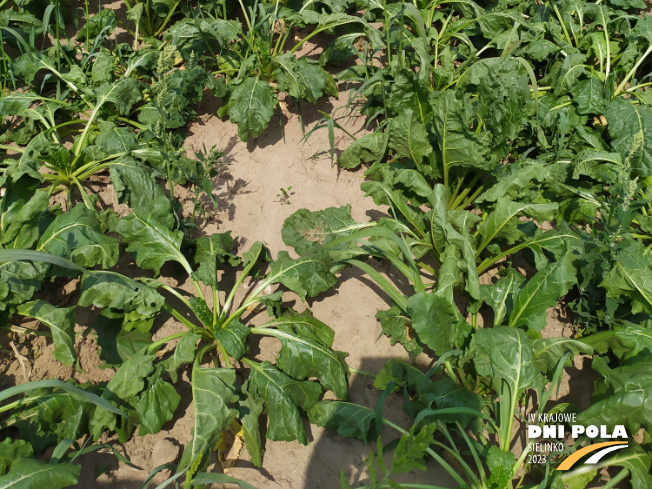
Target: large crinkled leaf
<point>541,292</point>
<point>589,95</point>
<point>350,420</point>
<point>109,289</point>
<point>151,240</point>
<point>77,235</point>
<point>20,212</point>
<point>445,393</point>
<point>124,94</point>
<point>21,280</point>
<point>103,67</point>
<point>190,34</point>
<point>637,460</point>
<point>125,384</point>
<point>548,352</point>
<point>506,354</point>
<point>630,340</point>
<point>396,325</point>
<point>60,320</point>
<point>183,354</point>
<point>303,276</point>
<point>115,342</point>
<point>11,451</point>
<point>211,251</point>
<point>367,149</point>
<point>630,128</point>
<point>308,231</point>
<point>29,473</point>
<point>518,181</point>
<point>407,92</point>
<point>15,104</point>
<point>503,221</point>
<point>306,350</point>
<point>283,397</point>
<point>156,404</point>
<point>626,396</point>
<point>631,276</point>
<point>250,407</point>
<point>500,295</point>
<point>213,397</point>
<point>462,240</point>
<point>408,137</point>
<point>114,139</point>
<point>251,106</point>
<point>63,414</point>
<point>437,322</point>
<point>503,98</point>
<point>134,182</point>
<point>457,145</point>
<point>501,467</point>
<point>233,338</point>
<point>301,79</point>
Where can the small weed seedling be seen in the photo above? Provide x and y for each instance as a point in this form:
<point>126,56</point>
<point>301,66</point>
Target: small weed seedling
<point>284,195</point>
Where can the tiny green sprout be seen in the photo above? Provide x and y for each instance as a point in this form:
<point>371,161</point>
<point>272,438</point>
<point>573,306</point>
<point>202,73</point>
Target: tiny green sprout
<point>284,195</point>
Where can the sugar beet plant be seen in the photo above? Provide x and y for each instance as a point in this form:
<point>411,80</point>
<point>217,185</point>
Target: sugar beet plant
<point>91,111</point>
<point>259,57</point>
<point>468,152</point>
<point>231,389</point>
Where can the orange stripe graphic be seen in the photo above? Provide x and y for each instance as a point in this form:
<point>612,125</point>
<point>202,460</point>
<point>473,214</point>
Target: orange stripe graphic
<point>571,459</point>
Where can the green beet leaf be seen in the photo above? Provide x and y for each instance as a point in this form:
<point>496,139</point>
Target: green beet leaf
<point>233,338</point>
<point>12,450</point>
<point>306,350</point>
<point>28,473</point>
<point>251,106</point>
<point>631,276</point>
<point>408,137</point>
<point>210,252</point>
<point>501,467</point>
<point>151,240</point>
<point>77,235</point>
<point>213,397</point>
<point>109,289</point>
<point>396,325</point>
<point>61,322</point>
<point>124,386</point>
<point>183,354</point>
<point>548,352</point>
<point>301,79</point>
<point>350,420</point>
<point>283,397</point>
<point>303,276</point>
<point>250,408</point>
<point>503,221</point>
<point>506,354</point>
<point>367,149</point>
<point>437,322</point>
<point>630,128</point>
<point>156,404</point>
<point>500,295</point>
<point>541,292</point>
<point>308,231</point>
<point>628,398</point>
<point>116,343</point>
